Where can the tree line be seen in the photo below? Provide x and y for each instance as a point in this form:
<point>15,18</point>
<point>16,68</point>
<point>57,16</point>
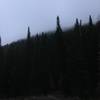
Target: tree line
<point>65,61</point>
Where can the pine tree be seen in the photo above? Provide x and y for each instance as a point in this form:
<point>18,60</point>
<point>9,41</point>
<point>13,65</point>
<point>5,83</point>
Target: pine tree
<point>77,29</point>
<point>77,23</point>
<point>80,23</point>
<point>58,30</point>
<point>61,50</point>
<point>28,61</point>
<point>28,33</point>
<point>90,21</point>
<point>28,41</point>
<point>91,44</point>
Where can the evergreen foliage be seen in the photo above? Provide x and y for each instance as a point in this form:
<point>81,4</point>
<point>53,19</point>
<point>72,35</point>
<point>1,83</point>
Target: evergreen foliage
<point>65,61</point>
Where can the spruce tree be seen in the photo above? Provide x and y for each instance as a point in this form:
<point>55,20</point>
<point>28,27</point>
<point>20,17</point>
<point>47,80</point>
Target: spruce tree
<point>61,50</point>
<point>77,29</point>
<point>28,61</point>
<point>28,33</point>
<point>58,30</point>
<point>77,23</point>
<point>90,21</point>
<point>80,23</point>
<point>91,44</point>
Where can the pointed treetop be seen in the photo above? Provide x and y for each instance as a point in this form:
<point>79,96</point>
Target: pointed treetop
<point>77,22</point>
<point>80,23</point>
<point>58,21</point>
<point>37,36</point>
<point>58,25</point>
<point>28,33</point>
<point>90,20</point>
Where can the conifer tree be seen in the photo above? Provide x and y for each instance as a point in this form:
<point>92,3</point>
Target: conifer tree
<point>28,33</point>
<point>58,30</point>
<point>90,21</point>
<point>61,50</point>
<point>77,23</point>
<point>28,38</point>
<point>80,23</point>
<point>28,61</point>
<point>91,44</point>
<point>77,29</point>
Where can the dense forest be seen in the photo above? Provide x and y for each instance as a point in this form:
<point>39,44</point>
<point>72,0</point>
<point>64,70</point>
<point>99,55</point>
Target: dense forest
<point>65,61</point>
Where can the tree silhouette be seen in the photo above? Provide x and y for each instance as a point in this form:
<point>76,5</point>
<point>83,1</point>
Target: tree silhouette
<point>28,61</point>
<point>58,29</point>
<point>65,61</point>
<point>77,23</point>
<point>90,21</point>
<point>61,48</point>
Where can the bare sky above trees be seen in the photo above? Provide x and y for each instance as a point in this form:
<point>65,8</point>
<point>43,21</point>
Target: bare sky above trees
<point>40,15</point>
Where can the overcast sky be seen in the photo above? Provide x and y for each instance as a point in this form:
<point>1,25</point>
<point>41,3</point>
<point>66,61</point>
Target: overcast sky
<point>40,15</point>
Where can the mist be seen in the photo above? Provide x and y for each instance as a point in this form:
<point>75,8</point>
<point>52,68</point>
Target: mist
<point>17,15</point>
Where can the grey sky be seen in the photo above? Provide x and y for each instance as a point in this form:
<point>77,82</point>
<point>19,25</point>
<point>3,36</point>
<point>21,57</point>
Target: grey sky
<point>40,15</point>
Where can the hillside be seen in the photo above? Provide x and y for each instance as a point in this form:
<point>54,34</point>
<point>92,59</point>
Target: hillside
<point>65,61</point>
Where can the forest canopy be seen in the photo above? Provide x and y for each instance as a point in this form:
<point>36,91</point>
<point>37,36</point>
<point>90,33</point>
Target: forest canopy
<point>65,61</point>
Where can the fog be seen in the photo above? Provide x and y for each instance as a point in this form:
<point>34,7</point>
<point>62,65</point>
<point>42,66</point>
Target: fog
<point>40,15</point>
